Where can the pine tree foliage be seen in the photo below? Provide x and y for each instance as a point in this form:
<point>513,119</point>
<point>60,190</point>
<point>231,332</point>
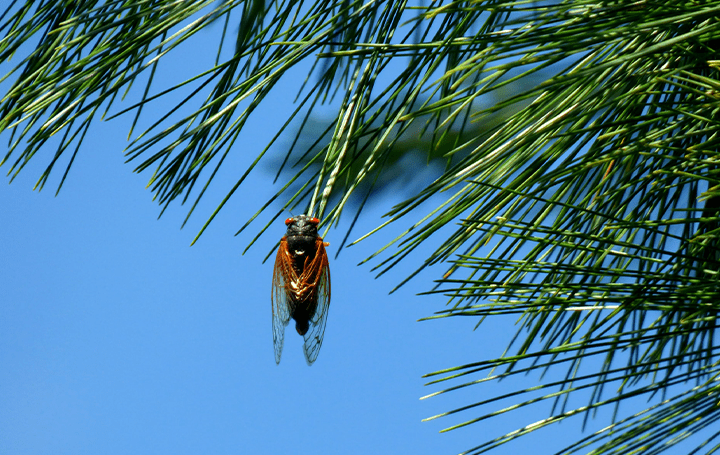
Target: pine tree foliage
<point>585,203</point>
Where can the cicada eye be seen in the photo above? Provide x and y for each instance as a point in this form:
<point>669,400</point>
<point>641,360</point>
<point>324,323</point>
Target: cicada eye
<point>314,221</point>
<point>289,220</point>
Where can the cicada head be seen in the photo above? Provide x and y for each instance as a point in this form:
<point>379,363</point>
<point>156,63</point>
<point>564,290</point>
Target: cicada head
<point>302,225</point>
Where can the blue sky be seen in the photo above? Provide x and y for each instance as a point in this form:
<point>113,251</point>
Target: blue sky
<point>117,337</point>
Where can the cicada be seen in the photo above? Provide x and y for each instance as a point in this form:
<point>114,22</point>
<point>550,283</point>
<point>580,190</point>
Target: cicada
<point>301,286</point>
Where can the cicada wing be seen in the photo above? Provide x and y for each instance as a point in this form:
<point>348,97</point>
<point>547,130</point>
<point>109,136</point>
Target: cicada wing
<point>281,310</point>
<point>321,279</point>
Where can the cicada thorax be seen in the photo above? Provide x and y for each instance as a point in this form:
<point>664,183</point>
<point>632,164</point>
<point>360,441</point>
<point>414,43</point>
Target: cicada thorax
<point>302,287</point>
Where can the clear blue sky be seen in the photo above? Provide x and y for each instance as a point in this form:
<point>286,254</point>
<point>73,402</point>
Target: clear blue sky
<point>116,337</point>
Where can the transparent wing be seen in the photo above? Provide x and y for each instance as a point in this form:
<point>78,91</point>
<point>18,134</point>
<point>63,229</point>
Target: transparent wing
<point>280,305</point>
<point>320,270</point>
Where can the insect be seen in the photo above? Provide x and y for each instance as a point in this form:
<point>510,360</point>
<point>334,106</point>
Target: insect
<point>301,286</point>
